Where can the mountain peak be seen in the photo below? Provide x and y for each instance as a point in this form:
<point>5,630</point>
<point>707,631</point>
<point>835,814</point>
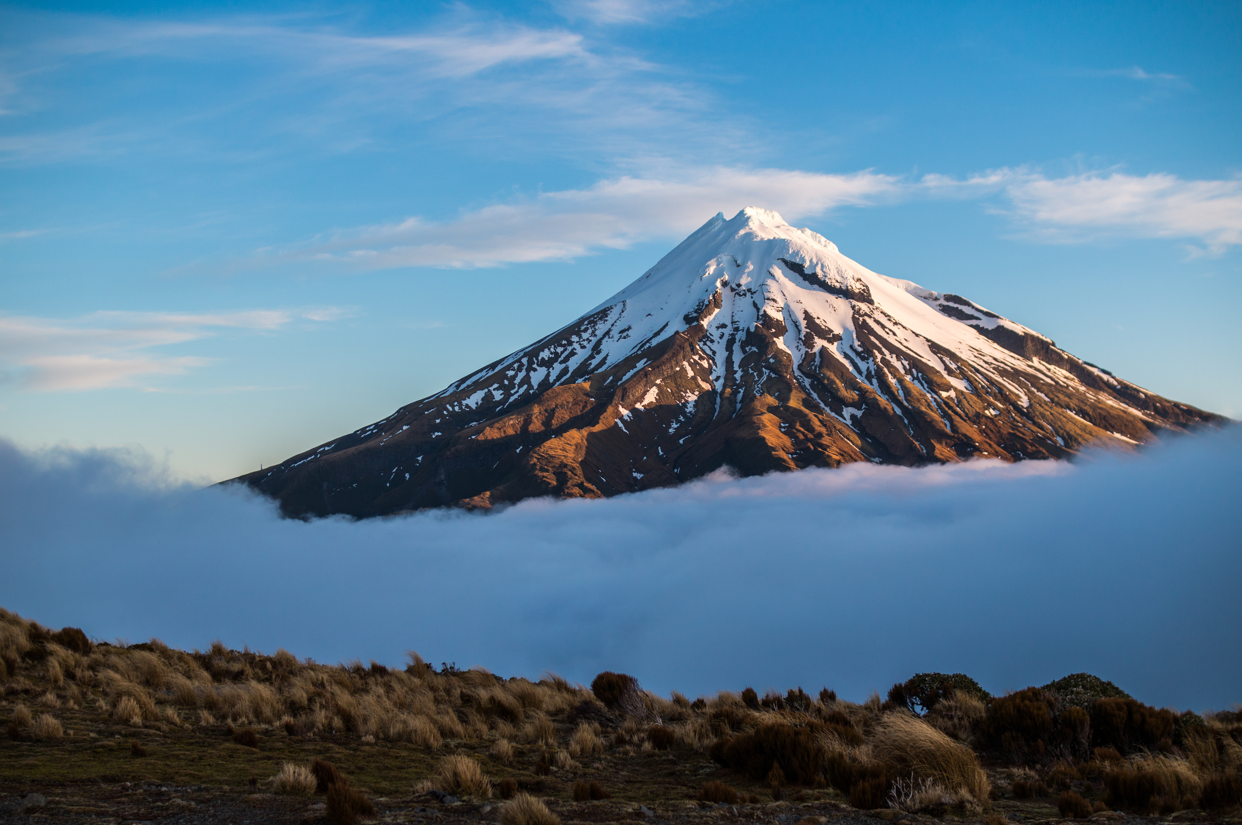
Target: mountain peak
<point>752,344</point>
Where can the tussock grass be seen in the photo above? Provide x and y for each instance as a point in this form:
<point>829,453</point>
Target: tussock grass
<point>460,775</point>
<point>294,779</point>
<point>502,751</point>
<point>586,742</point>
<point>45,726</point>
<point>525,809</point>
<point>22,716</point>
<point>906,745</point>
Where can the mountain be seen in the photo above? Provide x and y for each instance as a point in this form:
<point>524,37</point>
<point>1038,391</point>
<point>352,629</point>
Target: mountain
<point>752,344</point>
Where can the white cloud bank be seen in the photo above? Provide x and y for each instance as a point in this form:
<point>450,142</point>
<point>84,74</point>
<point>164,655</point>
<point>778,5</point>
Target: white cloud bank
<point>1122,565</point>
<point>117,349</point>
<point>618,212</point>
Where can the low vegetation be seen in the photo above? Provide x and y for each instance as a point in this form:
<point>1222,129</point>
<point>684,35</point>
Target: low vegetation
<point>353,742</point>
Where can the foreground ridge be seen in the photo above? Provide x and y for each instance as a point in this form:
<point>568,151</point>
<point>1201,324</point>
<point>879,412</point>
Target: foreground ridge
<point>753,344</point>
<point>100,733</point>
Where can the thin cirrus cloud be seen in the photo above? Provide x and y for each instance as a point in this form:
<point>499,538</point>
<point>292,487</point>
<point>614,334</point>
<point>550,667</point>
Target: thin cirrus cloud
<point>120,349</point>
<point>348,87</point>
<point>618,212</point>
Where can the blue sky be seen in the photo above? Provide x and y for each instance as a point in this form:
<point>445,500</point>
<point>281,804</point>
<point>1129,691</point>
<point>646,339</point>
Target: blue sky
<point>231,232</point>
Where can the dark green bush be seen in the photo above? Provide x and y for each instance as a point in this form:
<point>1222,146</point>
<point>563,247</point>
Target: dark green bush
<point>923,691</point>
<point>1081,689</point>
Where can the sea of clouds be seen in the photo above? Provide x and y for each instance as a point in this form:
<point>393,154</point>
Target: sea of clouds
<point>1125,565</point>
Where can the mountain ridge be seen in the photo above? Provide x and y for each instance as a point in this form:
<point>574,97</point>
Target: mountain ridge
<point>752,344</point>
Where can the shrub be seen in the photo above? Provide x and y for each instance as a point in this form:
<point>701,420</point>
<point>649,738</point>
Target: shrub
<point>906,745</point>
<point>72,638</point>
<point>1034,726</point>
<point>295,779</point>
<point>868,794</point>
<point>137,750</point>
<point>524,809</point>
<point>1073,806</point>
<point>923,691</point>
<point>247,738</point>
<point>661,738</point>
<point>346,804</point>
<point>1080,690</point>
<point>1223,790</point>
<point>1028,788</point>
<point>1128,725</point>
<point>753,753</point>
<point>460,775</point>
<point>587,791</point>
<point>46,727</point>
<point>508,788</point>
<point>326,775</point>
<point>750,699</point>
<point>719,792</point>
<point>610,687</point>
<point>846,773</point>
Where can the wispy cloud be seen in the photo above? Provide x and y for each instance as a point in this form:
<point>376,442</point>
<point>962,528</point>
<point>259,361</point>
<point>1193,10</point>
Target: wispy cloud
<point>120,349</point>
<point>618,212</point>
<point>472,77</point>
<point>628,12</point>
<point>1206,213</point>
<point>613,213</point>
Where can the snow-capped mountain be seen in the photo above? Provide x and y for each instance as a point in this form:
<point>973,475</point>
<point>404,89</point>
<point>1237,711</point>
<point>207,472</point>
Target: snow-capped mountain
<point>753,344</point>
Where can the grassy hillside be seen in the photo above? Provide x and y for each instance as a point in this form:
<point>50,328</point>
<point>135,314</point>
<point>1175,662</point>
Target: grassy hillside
<point>97,731</point>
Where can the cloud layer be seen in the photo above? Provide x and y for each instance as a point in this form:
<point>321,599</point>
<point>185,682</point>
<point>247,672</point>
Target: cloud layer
<point>1123,565</point>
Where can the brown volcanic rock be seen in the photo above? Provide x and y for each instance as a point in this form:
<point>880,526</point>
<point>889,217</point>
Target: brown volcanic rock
<point>753,345</point>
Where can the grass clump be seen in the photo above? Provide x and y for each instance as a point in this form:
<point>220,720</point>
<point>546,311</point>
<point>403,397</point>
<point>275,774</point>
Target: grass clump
<point>525,809</point>
<point>586,741</point>
<point>508,788</point>
<point>296,780</point>
<point>907,746</point>
<point>346,804</point>
<point>1071,805</point>
<point>718,792</point>
<point>461,776</point>
<point>45,727</point>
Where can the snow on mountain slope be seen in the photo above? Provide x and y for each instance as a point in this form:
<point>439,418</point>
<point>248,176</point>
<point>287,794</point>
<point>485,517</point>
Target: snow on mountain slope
<point>752,344</point>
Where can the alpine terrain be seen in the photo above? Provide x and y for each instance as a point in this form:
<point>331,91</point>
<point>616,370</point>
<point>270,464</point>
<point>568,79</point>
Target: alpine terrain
<point>753,345</point>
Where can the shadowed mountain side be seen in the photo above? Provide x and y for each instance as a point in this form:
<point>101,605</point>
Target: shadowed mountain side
<point>753,345</point>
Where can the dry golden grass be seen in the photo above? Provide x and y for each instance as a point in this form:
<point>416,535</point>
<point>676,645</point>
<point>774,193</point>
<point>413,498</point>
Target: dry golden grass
<point>22,716</point>
<point>586,742</point>
<point>460,775</point>
<point>525,809</point>
<point>502,751</point>
<point>46,727</point>
<point>539,731</point>
<point>294,779</point>
<point>126,710</point>
<point>908,746</point>
<point>957,715</point>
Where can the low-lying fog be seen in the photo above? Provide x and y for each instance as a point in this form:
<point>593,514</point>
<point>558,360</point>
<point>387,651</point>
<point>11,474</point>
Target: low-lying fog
<point>1127,566</point>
